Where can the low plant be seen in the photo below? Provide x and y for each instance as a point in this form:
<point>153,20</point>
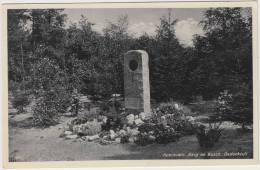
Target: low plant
<point>44,113</point>
<point>208,136</point>
<point>124,139</point>
<point>89,128</point>
<point>143,139</point>
<point>174,115</point>
<point>164,135</point>
<point>146,127</point>
<point>20,101</point>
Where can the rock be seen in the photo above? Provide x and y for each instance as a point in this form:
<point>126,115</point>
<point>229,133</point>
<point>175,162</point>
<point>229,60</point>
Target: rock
<point>105,142</point>
<point>68,109</point>
<point>138,122</point>
<point>104,120</point>
<point>190,118</point>
<point>128,129</point>
<point>130,119</point>
<point>68,114</point>
<point>71,136</point>
<point>105,137</point>
<point>92,138</point>
<point>118,140</point>
<point>144,116</point>
<point>112,135</point>
<point>12,111</point>
<point>84,99</point>
<point>133,132</point>
<point>90,128</point>
<point>122,132</point>
<point>151,132</point>
<point>152,138</point>
<point>67,132</point>
<point>131,140</point>
<point>176,106</point>
<point>164,121</point>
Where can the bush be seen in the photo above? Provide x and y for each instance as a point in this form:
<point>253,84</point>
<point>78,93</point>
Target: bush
<point>162,134</point>
<point>113,123</point>
<point>173,108</point>
<point>237,106</point>
<point>146,127</point>
<point>165,135</point>
<point>207,137</point>
<point>20,101</point>
<point>89,128</point>
<point>143,139</point>
<point>124,139</point>
<point>44,113</point>
<point>174,115</point>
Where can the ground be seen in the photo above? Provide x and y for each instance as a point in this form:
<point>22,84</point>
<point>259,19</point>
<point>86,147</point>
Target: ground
<point>33,144</point>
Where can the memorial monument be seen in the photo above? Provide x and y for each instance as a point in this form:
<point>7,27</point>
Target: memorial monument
<point>136,82</point>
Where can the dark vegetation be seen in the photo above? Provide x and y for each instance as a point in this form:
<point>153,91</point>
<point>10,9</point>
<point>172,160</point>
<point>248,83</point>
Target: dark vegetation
<point>49,61</point>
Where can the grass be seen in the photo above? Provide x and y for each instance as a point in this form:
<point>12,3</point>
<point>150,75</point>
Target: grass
<point>27,143</point>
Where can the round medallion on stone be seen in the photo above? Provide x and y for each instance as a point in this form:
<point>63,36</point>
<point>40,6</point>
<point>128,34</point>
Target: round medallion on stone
<point>133,65</point>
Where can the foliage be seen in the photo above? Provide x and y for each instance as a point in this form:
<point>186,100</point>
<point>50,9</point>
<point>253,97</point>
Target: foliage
<point>162,134</point>
<point>113,122</point>
<point>173,108</point>
<point>224,54</point>
<point>89,128</point>
<point>207,137</point>
<point>20,101</point>
<point>165,135</point>
<point>44,55</point>
<point>224,103</point>
<point>146,127</point>
<point>143,139</point>
<point>237,107</point>
<point>124,139</point>
<point>242,105</point>
<point>174,115</point>
<point>44,112</point>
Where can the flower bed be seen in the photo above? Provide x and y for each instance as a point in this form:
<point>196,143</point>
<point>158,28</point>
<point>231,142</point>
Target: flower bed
<point>166,124</point>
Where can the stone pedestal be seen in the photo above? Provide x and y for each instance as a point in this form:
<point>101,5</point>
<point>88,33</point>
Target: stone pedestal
<point>136,82</point>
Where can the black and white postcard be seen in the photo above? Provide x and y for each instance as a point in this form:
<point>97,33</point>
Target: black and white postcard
<point>102,84</point>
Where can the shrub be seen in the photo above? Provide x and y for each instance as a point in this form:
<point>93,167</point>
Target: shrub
<point>143,139</point>
<point>207,137</point>
<point>174,115</point>
<point>224,103</point>
<point>20,101</point>
<point>146,127</point>
<point>237,106</point>
<point>113,123</point>
<point>162,134</point>
<point>124,139</point>
<point>45,112</point>
<point>63,100</point>
<point>89,128</point>
<point>165,135</point>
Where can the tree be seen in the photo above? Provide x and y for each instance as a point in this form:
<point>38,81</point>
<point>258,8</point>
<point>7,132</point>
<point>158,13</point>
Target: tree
<point>164,66</point>
<point>225,59</point>
<point>116,42</point>
<point>17,46</point>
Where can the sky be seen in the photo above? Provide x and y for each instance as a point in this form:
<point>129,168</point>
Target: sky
<point>143,20</point>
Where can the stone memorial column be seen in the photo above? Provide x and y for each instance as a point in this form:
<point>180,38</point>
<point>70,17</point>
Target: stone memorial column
<point>136,82</point>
